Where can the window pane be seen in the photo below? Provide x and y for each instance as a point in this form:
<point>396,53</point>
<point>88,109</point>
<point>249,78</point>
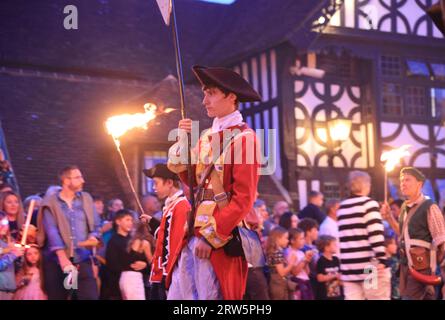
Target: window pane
<point>392,99</point>
<point>331,190</point>
<point>390,66</point>
<point>151,158</point>
<point>438,102</point>
<point>339,66</point>
<point>417,68</point>
<point>438,70</point>
<point>416,102</point>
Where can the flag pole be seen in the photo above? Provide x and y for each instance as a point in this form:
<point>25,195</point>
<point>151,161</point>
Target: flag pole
<point>182,96</point>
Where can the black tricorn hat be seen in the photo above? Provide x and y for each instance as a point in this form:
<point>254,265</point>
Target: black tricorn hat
<point>161,171</point>
<point>227,79</point>
<point>437,15</point>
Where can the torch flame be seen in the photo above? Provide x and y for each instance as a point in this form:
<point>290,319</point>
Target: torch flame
<point>117,126</point>
<point>393,157</point>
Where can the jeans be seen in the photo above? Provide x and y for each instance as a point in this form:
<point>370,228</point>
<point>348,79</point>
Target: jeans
<point>54,281</point>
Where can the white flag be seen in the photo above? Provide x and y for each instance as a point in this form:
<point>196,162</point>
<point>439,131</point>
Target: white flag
<point>166,9</point>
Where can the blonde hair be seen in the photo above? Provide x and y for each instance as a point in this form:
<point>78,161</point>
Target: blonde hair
<point>20,214</point>
<point>358,180</point>
<point>274,235</point>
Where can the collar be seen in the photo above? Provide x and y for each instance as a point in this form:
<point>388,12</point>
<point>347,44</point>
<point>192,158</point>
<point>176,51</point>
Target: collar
<point>76,195</point>
<point>419,199</point>
<point>233,119</point>
<point>171,199</point>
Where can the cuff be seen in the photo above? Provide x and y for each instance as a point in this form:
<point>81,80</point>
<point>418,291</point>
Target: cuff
<point>95,235</point>
<point>54,249</point>
<point>208,231</point>
<point>437,241</point>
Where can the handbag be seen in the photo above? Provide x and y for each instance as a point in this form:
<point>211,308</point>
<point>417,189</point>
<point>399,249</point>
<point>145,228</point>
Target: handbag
<point>420,258</point>
<point>234,247</point>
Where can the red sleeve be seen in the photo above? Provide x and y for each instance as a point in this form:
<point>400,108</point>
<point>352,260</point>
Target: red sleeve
<point>178,227</point>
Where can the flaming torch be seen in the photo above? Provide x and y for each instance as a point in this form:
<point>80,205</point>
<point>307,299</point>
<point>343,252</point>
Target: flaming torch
<point>391,159</point>
<point>117,126</point>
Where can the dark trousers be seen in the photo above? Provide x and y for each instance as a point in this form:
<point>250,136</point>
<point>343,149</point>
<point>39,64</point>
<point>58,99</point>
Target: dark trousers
<point>157,291</point>
<point>54,281</point>
<point>256,286</point>
<point>411,289</point>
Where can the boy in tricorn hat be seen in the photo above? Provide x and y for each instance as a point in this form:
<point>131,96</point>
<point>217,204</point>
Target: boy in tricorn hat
<point>422,238</point>
<point>171,235</point>
<point>212,265</point>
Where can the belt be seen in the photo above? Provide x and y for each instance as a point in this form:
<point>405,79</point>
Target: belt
<point>209,195</point>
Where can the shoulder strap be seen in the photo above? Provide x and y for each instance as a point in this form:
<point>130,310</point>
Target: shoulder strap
<point>210,168</point>
<point>416,242</point>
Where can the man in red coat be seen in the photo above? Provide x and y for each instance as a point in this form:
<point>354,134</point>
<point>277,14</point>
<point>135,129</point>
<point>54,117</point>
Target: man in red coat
<point>171,234</point>
<point>226,171</point>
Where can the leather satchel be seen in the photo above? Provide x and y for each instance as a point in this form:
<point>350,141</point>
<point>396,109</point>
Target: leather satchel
<point>420,257</point>
<point>234,247</point>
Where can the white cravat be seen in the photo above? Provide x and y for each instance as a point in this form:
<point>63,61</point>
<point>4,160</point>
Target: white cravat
<point>233,119</point>
<point>171,199</point>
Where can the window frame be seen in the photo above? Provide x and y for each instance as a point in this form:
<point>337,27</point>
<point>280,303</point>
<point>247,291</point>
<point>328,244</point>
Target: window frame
<point>406,81</point>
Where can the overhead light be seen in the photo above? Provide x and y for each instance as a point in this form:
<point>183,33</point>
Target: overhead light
<point>321,20</point>
<point>339,129</point>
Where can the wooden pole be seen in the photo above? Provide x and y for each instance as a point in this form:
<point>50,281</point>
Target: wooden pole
<point>28,222</point>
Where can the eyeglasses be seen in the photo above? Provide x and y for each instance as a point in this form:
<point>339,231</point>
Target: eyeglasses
<point>77,178</point>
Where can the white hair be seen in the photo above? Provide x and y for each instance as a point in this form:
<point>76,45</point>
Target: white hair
<point>358,180</point>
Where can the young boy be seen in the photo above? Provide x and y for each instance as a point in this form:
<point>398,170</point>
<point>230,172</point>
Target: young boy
<point>171,235</point>
<point>394,264</point>
<point>116,252</point>
<point>328,270</point>
<point>300,270</point>
<point>310,229</point>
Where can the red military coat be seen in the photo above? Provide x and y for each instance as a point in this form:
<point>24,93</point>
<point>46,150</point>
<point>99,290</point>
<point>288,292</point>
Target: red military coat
<point>239,177</point>
<point>170,238</point>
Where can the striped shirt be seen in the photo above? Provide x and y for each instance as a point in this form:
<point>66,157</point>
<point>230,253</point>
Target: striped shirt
<point>360,230</point>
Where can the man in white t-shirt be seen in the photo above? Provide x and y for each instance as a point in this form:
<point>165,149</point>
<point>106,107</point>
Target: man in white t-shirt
<point>329,226</point>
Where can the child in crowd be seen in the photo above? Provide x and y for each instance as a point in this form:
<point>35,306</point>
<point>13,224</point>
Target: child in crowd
<point>29,278</point>
<point>277,241</point>
<point>394,264</point>
<point>328,270</point>
<point>300,270</point>
<point>8,255</point>
<point>139,257</point>
<point>310,229</point>
<point>116,252</point>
